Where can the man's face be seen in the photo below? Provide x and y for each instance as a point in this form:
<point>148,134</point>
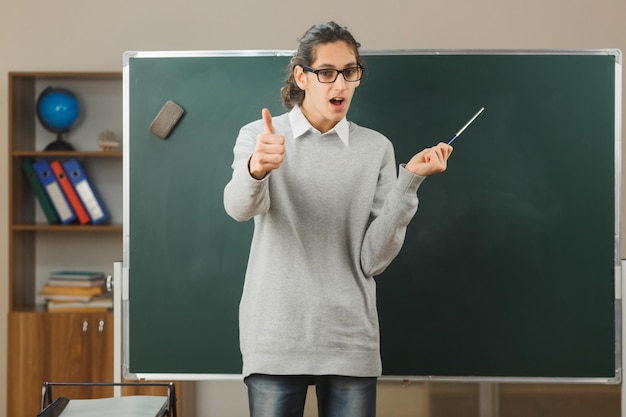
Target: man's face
<point>325,104</point>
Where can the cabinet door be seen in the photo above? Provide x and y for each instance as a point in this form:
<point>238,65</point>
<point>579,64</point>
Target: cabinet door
<point>101,352</point>
<point>67,341</point>
<point>25,367</point>
<point>80,350</point>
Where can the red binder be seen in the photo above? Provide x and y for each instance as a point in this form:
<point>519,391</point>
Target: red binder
<point>70,192</point>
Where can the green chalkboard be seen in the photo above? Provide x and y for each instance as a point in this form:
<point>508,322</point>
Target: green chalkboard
<point>508,269</point>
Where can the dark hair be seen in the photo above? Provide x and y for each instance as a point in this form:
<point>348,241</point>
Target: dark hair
<point>317,35</point>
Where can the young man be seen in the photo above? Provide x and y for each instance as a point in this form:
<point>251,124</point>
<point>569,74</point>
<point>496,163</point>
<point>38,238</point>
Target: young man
<point>330,213</point>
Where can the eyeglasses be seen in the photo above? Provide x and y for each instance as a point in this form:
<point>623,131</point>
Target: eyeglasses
<point>329,75</point>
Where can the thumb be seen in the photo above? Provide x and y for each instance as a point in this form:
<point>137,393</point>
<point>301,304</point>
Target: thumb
<point>267,121</point>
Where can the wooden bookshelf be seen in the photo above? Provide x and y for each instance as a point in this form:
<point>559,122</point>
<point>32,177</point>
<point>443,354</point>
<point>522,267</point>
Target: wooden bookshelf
<point>46,346</point>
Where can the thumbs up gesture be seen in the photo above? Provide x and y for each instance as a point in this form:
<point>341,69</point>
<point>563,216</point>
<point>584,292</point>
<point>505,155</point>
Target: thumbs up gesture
<point>269,151</point>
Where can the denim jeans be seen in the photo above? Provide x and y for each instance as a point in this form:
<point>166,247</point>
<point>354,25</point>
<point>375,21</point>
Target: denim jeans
<point>337,396</point>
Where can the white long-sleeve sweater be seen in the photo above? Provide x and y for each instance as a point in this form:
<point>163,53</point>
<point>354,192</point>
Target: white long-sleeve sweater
<point>325,223</point>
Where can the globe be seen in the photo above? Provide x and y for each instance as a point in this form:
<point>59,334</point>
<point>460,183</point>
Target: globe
<point>57,110</point>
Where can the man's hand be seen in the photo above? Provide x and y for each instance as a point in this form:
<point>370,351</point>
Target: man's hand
<point>269,151</point>
<point>431,160</point>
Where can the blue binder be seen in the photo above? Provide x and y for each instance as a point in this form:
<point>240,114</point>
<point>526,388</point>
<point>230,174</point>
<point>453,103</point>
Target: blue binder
<point>53,189</point>
<point>40,192</point>
<point>86,191</point>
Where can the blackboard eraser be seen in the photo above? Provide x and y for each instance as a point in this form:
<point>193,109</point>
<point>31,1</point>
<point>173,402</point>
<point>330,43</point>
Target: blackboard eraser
<point>166,119</point>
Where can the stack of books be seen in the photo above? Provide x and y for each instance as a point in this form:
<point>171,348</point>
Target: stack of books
<point>77,291</point>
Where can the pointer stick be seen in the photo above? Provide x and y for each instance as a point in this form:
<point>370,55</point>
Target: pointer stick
<point>464,127</point>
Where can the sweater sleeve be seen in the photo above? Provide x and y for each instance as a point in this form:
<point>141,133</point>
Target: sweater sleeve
<point>391,215</point>
<point>245,196</point>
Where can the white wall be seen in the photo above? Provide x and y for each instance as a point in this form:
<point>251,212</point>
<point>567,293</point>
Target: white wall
<point>84,35</point>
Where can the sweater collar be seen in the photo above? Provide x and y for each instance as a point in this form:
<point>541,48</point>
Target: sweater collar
<point>300,125</point>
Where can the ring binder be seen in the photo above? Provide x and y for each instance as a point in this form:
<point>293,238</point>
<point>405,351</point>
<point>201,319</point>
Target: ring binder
<point>53,189</point>
<point>86,191</point>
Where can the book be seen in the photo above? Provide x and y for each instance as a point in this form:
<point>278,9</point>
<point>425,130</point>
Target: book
<point>61,308</point>
<point>77,275</point>
<point>53,189</point>
<point>95,304</point>
<point>70,192</point>
<point>73,293</point>
<point>81,279</point>
<point>86,191</point>
<point>52,290</point>
<point>67,297</point>
<point>40,192</point>
<point>58,282</point>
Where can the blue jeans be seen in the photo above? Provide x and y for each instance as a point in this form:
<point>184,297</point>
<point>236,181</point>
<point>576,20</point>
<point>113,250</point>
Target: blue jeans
<point>337,396</point>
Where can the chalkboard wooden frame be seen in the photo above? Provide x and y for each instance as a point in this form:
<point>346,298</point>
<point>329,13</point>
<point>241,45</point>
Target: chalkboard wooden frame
<point>512,213</point>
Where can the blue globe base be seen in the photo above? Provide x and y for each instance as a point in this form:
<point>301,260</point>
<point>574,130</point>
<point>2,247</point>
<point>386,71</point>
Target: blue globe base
<point>59,145</point>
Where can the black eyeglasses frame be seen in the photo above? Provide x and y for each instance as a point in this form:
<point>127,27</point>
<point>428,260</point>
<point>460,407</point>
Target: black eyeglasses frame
<point>306,68</point>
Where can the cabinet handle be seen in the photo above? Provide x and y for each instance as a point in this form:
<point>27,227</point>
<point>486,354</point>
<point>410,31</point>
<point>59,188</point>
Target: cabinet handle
<point>101,326</point>
<point>85,325</point>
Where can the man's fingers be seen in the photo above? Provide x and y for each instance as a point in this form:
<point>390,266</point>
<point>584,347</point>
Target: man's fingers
<point>267,121</point>
<point>269,149</point>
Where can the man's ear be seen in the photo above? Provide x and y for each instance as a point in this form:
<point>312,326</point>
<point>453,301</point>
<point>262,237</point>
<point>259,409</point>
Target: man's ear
<point>300,77</point>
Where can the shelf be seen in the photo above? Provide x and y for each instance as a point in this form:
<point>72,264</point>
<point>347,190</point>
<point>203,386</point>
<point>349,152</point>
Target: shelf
<point>60,75</point>
<point>53,345</point>
<point>67,154</point>
<point>64,228</point>
<point>36,247</point>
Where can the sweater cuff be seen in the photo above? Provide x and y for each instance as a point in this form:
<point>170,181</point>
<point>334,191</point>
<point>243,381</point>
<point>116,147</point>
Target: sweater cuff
<point>408,182</point>
<point>241,169</point>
